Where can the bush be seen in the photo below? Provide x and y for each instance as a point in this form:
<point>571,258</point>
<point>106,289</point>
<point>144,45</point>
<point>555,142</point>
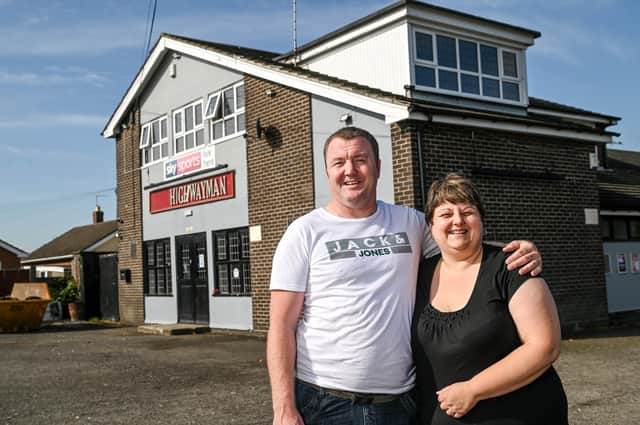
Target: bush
<point>70,293</point>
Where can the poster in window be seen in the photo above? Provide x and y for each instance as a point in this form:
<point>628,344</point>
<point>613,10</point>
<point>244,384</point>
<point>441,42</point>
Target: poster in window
<point>622,263</point>
<point>635,262</point>
<point>607,264</point>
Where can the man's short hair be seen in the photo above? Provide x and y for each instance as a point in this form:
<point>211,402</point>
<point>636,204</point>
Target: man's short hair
<point>348,133</point>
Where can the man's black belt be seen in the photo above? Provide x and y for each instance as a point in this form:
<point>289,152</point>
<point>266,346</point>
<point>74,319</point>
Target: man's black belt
<point>356,398</point>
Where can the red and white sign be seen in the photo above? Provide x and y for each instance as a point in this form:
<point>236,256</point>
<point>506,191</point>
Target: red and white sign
<point>190,163</point>
<point>210,189</point>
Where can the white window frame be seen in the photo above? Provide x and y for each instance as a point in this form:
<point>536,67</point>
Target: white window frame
<point>501,77</point>
<point>183,133</point>
<point>219,107</point>
<point>147,144</point>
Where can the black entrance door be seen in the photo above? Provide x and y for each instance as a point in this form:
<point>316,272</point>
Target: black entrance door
<point>193,282</point>
<point>109,287</point>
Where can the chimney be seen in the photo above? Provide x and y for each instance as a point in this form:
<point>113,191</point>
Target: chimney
<point>98,215</point>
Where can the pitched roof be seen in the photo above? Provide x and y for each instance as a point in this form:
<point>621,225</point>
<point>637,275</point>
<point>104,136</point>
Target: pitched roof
<point>619,185</point>
<point>74,241</point>
<point>13,249</point>
<point>545,118</point>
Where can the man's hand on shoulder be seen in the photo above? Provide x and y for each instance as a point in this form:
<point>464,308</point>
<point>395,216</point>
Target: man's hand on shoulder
<point>525,257</point>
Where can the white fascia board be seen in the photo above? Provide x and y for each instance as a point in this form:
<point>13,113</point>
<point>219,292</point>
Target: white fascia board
<point>100,242</point>
<point>381,107</point>
<point>586,118</point>
<point>513,127</point>
<point>462,24</point>
<point>390,110</point>
<point>352,35</point>
<point>16,251</point>
<point>146,71</point>
<point>620,213</point>
<point>40,260</point>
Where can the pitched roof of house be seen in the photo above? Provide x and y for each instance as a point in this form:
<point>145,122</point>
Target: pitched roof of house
<point>263,64</point>
<point>74,241</point>
<point>13,249</point>
<point>619,185</point>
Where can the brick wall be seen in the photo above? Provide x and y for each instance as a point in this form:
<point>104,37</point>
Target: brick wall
<point>131,298</point>
<point>280,176</point>
<point>406,176</point>
<point>534,188</point>
<point>8,260</point>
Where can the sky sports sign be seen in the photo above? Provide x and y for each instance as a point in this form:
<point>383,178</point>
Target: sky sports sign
<point>190,163</point>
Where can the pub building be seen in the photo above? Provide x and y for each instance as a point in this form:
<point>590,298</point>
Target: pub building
<point>219,148</point>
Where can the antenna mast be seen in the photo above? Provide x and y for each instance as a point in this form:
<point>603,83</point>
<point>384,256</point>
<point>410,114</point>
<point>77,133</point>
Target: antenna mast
<point>295,36</point>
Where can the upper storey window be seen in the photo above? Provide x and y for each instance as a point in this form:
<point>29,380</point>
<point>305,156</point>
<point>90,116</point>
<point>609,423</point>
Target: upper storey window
<point>154,141</point>
<point>188,127</point>
<point>225,110</point>
<point>457,65</point>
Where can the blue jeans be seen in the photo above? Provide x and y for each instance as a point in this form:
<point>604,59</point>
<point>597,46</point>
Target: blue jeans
<point>317,407</point>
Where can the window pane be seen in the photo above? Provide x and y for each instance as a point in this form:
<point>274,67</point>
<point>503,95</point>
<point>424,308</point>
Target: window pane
<point>470,84</point>
<point>160,254</point>
<point>211,105</point>
<point>145,155</point>
<point>188,118</point>
<point>221,246</point>
<point>241,122</point>
<point>490,87</point>
<point>199,137</point>
<point>468,55</point>
<point>156,153</point>
<point>244,238</point>
<point>424,46</point>
<point>234,246</point>
<point>229,126</point>
<point>151,277</point>
<point>246,270</point>
<point>448,80</point>
<point>227,102</point>
<point>511,91</point>
<point>217,130</point>
<point>634,228</point>
<point>605,228</point>
<point>509,64</point>
<point>198,112</point>
<point>489,60</point>
<point>177,122</point>
<point>151,258</point>
<point>446,51</point>
<point>223,278</point>
<point>425,76</point>
<point>179,144</point>
<point>144,138</point>
<point>236,279</point>
<point>160,278</point>
<point>189,141</point>
<point>167,250</point>
<point>155,132</point>
<point>165,149</point>
<point>163,128</point>
<point>240,96</point>
<point>620,229</point>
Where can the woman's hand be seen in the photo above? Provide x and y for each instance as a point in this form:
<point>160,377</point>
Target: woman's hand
<point>457,399</point>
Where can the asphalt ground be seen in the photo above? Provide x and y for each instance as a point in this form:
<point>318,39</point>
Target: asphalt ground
<point>82,373</point>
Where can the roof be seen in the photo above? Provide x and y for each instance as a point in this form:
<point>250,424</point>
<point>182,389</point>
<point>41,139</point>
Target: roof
<point>74,241</point>
<point>393,7</point>
<point>15,250</point>
<point>619,185</point>
<point>534,102</point>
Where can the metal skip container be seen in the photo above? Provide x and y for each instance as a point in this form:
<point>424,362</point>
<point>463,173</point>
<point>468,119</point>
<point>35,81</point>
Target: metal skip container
<point>23,310</point>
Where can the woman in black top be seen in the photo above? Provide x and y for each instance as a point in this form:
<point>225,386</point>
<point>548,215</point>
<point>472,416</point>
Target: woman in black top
<point>484,338</point>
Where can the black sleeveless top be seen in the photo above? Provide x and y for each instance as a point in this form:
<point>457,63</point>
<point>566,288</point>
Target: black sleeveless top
<point>455,346</point>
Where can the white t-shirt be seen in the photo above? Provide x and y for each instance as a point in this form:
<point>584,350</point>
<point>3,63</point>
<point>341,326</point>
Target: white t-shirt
<point>359,279</point>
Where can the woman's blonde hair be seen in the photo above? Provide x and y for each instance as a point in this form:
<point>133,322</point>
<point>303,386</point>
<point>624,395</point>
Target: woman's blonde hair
<point>454,188</point>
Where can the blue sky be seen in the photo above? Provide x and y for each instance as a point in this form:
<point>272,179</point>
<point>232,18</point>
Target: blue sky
<point>64,66</point>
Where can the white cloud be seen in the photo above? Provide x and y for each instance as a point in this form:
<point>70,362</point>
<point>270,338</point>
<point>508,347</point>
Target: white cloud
<point>57,76</point>
<point>26,151</point>
<point>55,120</point>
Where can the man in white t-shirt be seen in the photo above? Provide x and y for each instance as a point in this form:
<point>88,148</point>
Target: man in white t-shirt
<point>342,294</point>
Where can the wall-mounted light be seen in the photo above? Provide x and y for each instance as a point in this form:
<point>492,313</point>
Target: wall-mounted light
<point>346,119</point>
<point>269,92</point>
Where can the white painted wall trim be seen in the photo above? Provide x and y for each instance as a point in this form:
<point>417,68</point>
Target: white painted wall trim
<point>514,127</point>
